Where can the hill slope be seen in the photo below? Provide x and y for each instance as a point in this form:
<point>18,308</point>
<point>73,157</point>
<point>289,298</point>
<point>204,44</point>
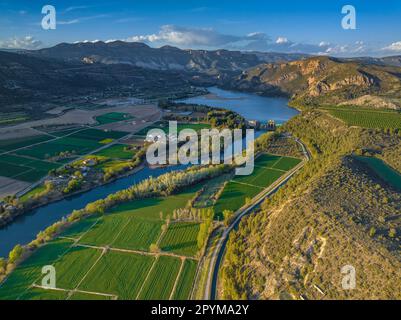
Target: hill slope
<point>335,212</point>
<point>322,80</point>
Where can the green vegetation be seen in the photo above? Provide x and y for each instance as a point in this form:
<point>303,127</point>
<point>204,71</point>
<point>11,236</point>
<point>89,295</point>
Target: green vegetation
<point>118,273</point>
<point>368,118</point>
<point>112,117</point>
<point>12,144</point>
<point>161,279</point>
<point>24,169</point>
<point>331,212</point>
<point>268,168</point>
<point>180,126</point>
<point>138,234</point>
<point>382,170</point>
<point>113,241</point>
<point>13,117</point>
<point>187,276</point>
<point>233,197</point>
<point>117,151</point>
<point>43,294</point>
<point>29,271</point>
<point>180,238</point>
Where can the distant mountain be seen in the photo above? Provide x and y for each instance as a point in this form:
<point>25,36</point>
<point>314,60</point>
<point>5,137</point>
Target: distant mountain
<point>165,58</point>
<point>26,77</point>
<point>394,61</point>
<point>323,80</point>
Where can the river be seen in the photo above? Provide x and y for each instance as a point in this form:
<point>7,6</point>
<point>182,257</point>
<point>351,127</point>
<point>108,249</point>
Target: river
<point>252,107</point>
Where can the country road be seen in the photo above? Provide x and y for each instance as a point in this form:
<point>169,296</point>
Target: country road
<point>217,255</point>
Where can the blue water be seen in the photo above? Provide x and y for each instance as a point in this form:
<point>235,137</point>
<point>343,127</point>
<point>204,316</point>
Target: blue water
<point>25,228</point>
<point>250,106</point>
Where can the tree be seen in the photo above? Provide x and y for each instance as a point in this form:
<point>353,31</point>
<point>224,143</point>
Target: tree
<point>227,215</point>
<point>392,232</point>
<point>15,253</point>
<point>372,232</point>
<point>3,265</point>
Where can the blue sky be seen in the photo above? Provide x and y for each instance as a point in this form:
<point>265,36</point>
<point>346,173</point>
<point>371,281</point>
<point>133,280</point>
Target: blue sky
<point>284,26</point>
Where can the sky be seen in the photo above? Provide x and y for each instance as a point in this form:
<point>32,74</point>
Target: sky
<point>312,26</point>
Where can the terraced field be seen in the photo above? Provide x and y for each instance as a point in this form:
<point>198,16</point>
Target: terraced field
<point>268,168</point>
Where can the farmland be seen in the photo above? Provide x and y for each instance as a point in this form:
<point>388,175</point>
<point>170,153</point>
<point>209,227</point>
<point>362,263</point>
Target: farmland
<point>108,256</point>
<point>112,117</point>
<point>117,151</point>
<point>31,158</point>
<point>268,168</point>
<point>368,118</point>
<point>180,126</point>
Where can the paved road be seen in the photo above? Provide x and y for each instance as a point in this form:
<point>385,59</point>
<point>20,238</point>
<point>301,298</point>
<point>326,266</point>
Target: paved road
<point>217,255</point>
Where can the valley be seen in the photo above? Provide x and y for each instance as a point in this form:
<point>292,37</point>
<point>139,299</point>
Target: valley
<point>78,194</point>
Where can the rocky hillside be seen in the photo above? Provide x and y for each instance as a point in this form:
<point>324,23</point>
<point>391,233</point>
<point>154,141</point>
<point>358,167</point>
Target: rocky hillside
<point>320,80</point>
<point>335,212</point>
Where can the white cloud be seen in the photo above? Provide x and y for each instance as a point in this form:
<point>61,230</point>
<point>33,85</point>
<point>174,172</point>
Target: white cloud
<point>281,40</point>
<point>66,22</point>
<point>182,36</point>
<point>27,42</point>
<point>394,47</point>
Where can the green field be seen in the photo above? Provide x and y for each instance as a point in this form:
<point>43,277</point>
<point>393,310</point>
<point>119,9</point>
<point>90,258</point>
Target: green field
<point>12,144</point>
<point>161,279</point>
<point>180,238</point>
<point>180,126</point>
<point>268,168</point>
<point>116,151</point>
<point>98,135</point>
<point>118,273</point>
<point>112,117</point>
<point>367,118</point>
<point>24,169</point>
<point>138,234</point>
<point>385,172</point>
<point>111,259</point>
<point>29,271</point>
<point>186,280</point>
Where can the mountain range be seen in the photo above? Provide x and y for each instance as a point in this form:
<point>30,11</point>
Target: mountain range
<point>87,67</point>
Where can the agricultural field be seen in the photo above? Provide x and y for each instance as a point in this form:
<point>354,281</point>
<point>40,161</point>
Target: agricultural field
<point>180,238</point>
<point>13,144</point>
<point>23,168</point>
<point>117,151</point>
<point>180,126</point>
<point>108,256</point>
<point>268,168</point>
<point>112,117</point>
<point>30,159</point>
<point>368,118</point>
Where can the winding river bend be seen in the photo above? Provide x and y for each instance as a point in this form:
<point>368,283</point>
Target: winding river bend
<point>252,107</point>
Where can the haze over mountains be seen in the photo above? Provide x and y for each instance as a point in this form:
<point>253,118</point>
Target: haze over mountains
<point>85,67</point>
